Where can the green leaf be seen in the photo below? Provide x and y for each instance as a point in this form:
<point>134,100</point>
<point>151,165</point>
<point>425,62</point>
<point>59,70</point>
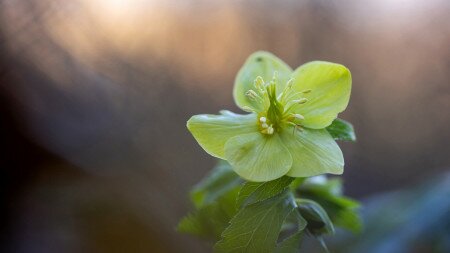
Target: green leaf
<point>326,187</point>
<point>296,183</point>
<point>348,219</point>
<point>290,244</point>
<point>257,157</point>
<point>318,221</point>
<point>218,182</point>
<point>256,227</point>
<point>213,131</point>
<point>342,130</point>
<point>262,64</point>
<point>313,152</point>
<point>210,220</point>
<point>252,192</point>
<point>330,86</point>
<point>342,210</point>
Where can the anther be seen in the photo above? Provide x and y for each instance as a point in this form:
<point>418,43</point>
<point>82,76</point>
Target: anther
<point>275,76</point>
<point>263,119</point>
<point>251,94</point>
<point>268,130</point>
<point>290,83</point>
<point>259,83</point>
<point>300,101</point>
<point>299,116</point>
<point>264,125</point>
<point>306,91</point>
<point>248,109</point>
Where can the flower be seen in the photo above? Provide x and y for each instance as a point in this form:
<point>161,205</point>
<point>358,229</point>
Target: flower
<point>284,132</point>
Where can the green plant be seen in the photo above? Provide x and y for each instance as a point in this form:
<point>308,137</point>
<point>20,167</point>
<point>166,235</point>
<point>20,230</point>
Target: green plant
<point>269,189</point>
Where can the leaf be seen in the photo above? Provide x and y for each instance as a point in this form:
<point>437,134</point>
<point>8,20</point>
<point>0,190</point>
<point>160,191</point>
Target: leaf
<point>296,183</point>
<point>348,219</point>
<point>318,221</point>
<point>256,227</point>
<point>252,192</point>
<point>219,181</point>
<point>342,130</point>
<point>210,220</point>
<point>342,210</point>
<point>291,244</point>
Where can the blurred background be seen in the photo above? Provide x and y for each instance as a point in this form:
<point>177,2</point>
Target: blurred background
<point>94,96</point>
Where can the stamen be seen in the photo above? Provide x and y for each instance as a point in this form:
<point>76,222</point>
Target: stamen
<point>264,125</point>
<point>300,101</point>
<point>306,91</point>
<point>296,127</point>
<point>267,129</point>
<point>270,130</point>
<point>248,109</point>
<point>263,119</point>
<point>275,76</point>
<point>259,83</point>
<point>299,116</point>
<point>289,83</point>
<point>251,94</point>
<point>282,96</point>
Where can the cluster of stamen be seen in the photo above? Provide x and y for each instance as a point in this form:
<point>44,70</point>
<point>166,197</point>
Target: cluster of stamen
<point>275,111</point>
<point>266,128</point>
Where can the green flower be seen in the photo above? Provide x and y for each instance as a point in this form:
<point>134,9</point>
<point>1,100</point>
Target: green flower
<point>284,133</point>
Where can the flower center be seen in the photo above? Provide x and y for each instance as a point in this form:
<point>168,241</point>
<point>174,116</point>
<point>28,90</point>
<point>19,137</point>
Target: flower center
<point>276,112</point>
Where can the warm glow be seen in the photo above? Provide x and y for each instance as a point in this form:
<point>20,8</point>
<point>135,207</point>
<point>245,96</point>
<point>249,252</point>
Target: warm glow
<point>117,8</point>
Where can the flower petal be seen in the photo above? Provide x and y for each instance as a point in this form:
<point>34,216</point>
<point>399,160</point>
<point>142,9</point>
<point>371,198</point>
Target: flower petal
<point>330,86</point>
<point>257,157</point>
<point>213,131</point>
<point>313,152</point>
<point>259,64</point>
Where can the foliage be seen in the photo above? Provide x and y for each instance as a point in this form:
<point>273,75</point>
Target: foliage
<point>271,216</point>
<point>269,191</point>
<point>414,219</point>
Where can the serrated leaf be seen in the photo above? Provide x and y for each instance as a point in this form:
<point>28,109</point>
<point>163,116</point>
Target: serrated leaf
<point>342,130</point>
<point>330,191</point>
<point>210,220</point>
<point>342,211</point>
<point>252,192</point>
<point>318,221</point>
<point>219,181</point>
<point>291,244</point>
<point>256,227</point>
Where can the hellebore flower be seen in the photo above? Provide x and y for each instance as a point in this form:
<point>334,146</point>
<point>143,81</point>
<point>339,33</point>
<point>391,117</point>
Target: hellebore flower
<point>284,132</point>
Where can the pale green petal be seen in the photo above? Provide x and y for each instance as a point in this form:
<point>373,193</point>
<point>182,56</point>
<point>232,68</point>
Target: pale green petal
<point>259,64</point>
<point>313,152</point>
<point>258,157</point>
<point>330,86</point>
<point>213,131</point>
